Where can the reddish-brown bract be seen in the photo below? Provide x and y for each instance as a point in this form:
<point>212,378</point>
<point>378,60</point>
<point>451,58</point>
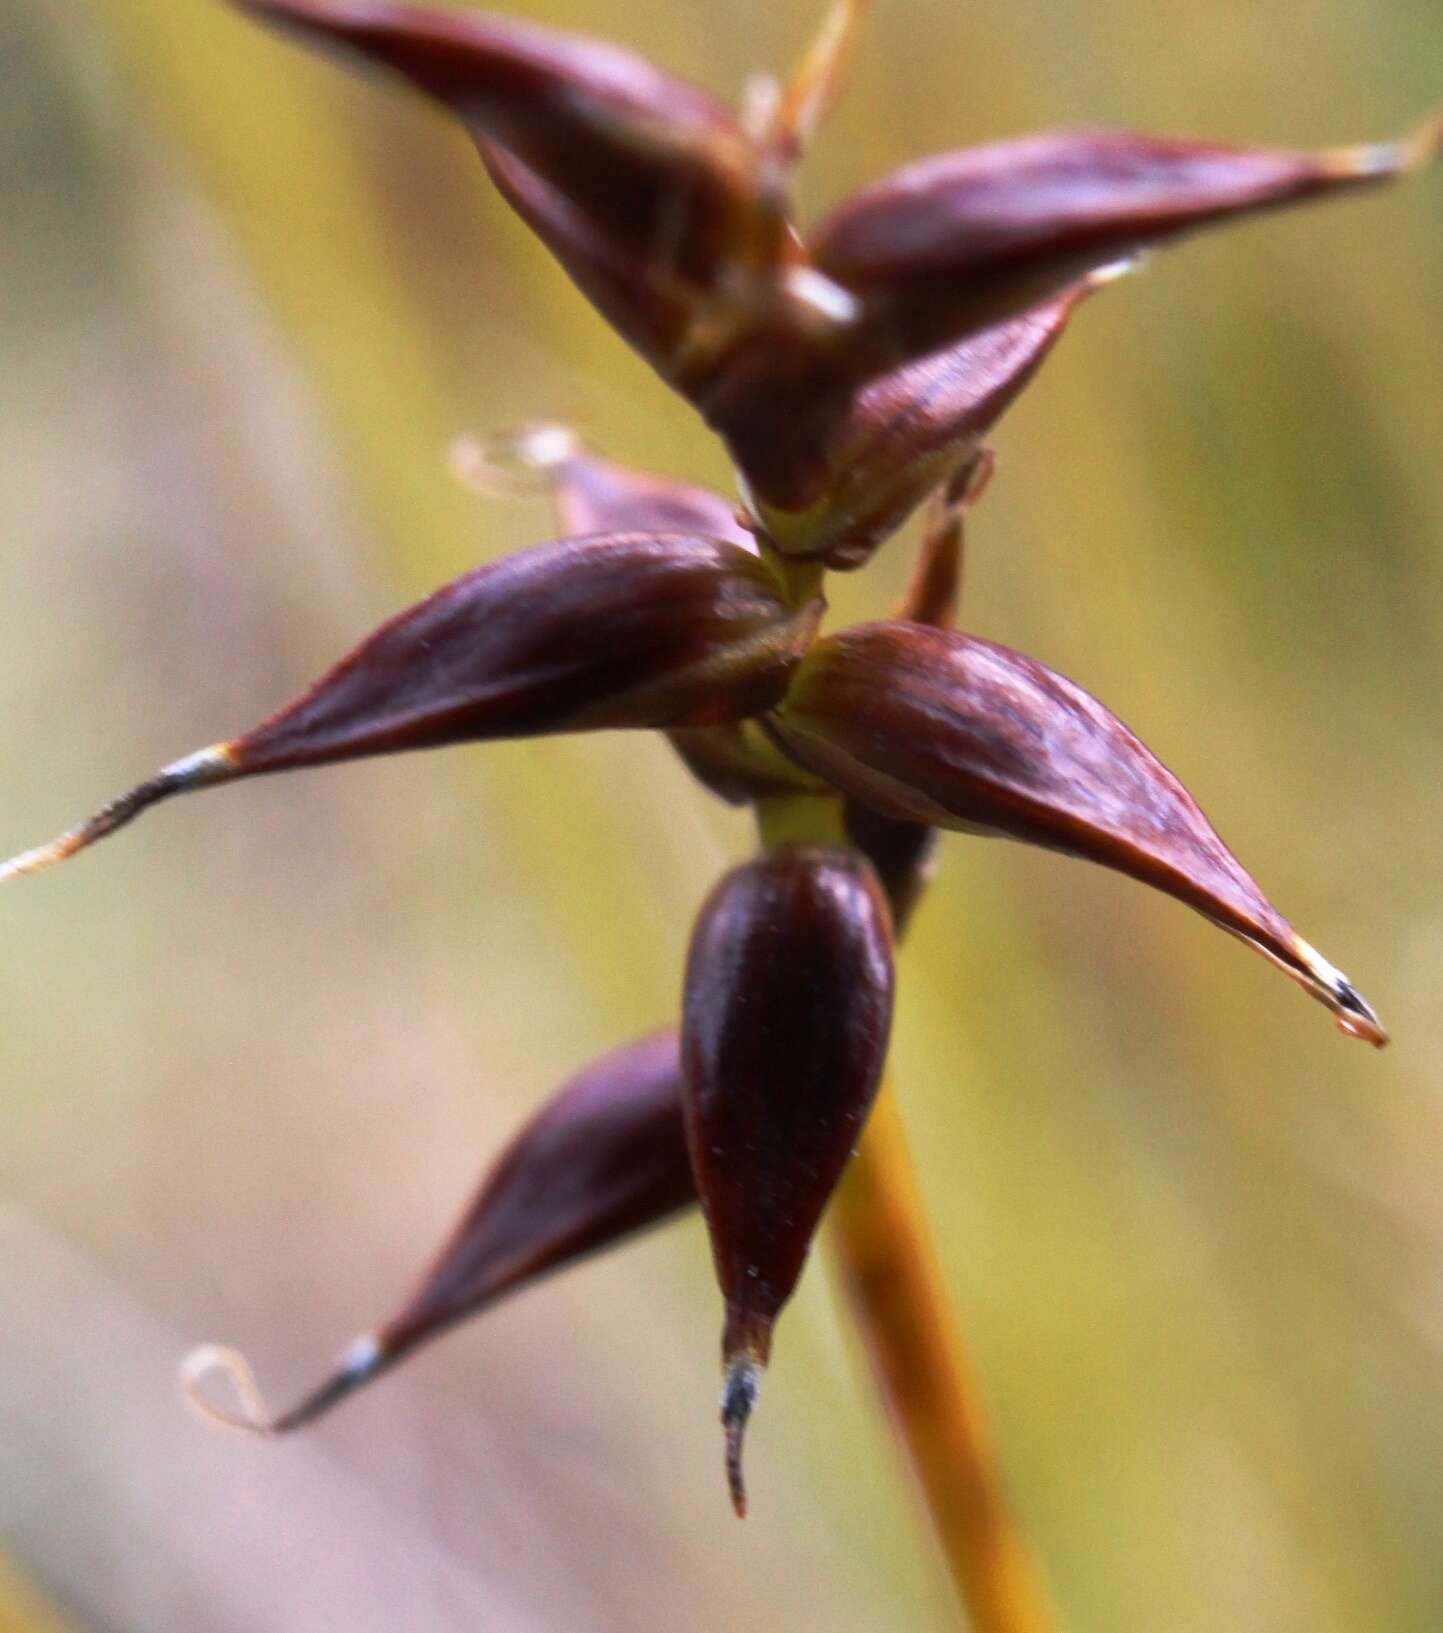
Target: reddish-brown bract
<point>785,1018</point>
<point>961,240</point>
<point>900,436</point>
<point>673,219</point>
<point>658,166</point>
<point>604,1157</point>
<point>943,728</point>
<point>733,758</point>
<point>624,629</point>
<point>642,630</point>
<point>647,305</point>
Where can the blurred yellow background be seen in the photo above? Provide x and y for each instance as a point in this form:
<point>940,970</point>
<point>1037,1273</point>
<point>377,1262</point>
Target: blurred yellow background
<point>256,1051</point>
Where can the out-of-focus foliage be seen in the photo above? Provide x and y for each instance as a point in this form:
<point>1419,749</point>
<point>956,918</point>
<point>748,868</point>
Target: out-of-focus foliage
<point>255,1053</point>
<point>21,1608</point>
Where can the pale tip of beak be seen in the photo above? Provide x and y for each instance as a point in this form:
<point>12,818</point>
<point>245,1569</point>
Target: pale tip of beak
<point>739,1396</point>
<point>43,856</point>
<point>215,764</point>
<point>1126,267</point>
<point>821,297</point>
<point>1413,152</point>
<point>1354,1015</point>
<point>1425,143</point>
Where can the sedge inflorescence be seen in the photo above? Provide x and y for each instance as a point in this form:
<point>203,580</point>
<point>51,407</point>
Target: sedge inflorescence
<point>854,370</point>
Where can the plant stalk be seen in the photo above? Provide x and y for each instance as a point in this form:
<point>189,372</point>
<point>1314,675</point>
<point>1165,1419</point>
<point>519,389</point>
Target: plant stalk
<point>883,1253</point>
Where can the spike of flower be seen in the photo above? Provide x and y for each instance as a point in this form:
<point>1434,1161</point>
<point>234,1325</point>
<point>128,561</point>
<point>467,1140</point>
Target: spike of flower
<point>949,244</point>
<point>666,215</point>
<point>671,215</point>
<point>787,1007</point>
<point>946,729</point>
<point>605,1157</point>
<point>739,1398</point>
<point>621,630</point>
<point>198,770</point>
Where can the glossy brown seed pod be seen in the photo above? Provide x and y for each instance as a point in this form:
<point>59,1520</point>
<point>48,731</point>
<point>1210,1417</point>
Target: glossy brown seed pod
<point>894,442</point>
<point>658,167</point>
<point>945,729</point>
<point>604,1157</point>
<point>899,437</point>
<point>764,364</point>
<point>952,243</point>
<point>785,1018</point>
<point>622,630</point>
<point>645,188</point>
<point>652,309</point>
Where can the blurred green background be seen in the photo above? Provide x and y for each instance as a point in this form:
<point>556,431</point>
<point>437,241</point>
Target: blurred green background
<point>256,1051</point>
